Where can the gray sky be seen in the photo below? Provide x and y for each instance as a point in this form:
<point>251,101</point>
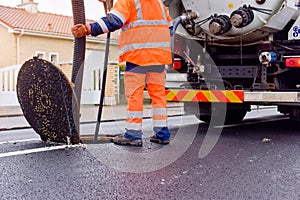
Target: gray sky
<point>93,8</point>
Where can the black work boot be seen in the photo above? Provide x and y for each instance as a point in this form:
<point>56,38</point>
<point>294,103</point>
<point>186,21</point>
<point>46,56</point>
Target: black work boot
<point>122,140</point>
<point>154,139</point>
<point>161,136</point>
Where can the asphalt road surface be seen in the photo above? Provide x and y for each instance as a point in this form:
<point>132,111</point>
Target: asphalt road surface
<point>256,159</point>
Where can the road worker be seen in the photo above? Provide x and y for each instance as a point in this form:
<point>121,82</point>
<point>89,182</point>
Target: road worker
<point>145,46</point>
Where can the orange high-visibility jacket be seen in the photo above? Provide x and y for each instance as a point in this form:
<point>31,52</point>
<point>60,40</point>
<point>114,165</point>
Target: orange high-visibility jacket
<point>145,36</point>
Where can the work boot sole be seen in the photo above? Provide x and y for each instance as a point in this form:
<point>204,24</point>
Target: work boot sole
<point>125,141</point>
<point>159,141</point>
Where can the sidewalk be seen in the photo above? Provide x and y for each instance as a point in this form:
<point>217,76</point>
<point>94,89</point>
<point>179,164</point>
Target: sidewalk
<point>12,116</point>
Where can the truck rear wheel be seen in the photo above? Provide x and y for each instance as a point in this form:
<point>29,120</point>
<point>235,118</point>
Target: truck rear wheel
<point>234,112</point>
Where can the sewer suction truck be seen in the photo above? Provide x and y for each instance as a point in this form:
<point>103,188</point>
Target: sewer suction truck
<point>235,53</point>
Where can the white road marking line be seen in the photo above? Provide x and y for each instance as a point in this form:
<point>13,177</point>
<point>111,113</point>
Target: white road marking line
<point>19,141</point>
<point>43,149</point>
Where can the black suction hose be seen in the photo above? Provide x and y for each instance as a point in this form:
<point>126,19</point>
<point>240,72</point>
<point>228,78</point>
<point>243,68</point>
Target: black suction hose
<point>176,22</point>
<point>77,68</point>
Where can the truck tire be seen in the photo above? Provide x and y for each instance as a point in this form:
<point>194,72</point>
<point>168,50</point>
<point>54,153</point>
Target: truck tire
<point>234,112</point>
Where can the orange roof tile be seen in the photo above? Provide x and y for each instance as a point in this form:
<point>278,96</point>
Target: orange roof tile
<point>41,21</point>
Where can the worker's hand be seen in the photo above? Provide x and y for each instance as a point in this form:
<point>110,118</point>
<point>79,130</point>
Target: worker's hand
<point>81,30</point>
<point>102,1</point>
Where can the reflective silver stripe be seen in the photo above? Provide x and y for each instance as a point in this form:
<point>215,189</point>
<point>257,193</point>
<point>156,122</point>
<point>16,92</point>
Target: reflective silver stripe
<point>159,111</point>
<point>138,9</point>
<point>141,22</point>
<point>136,114</point>
<point>119,15</point>
<point>102,25</point>
<point>159,123</point>
<point>145,23</point>
<point>144,45</point>
<point>163,10</point>
<point>134,126</point>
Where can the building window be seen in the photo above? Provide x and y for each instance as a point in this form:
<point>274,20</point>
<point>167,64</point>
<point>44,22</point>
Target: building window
<point>53,57</point>
<point>40,54</point>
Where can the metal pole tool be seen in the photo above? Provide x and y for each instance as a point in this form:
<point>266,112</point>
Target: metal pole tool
<point>107,6</point>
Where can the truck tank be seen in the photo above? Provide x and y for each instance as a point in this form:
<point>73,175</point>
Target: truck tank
<point>235,21</point>
<point>248,45</point>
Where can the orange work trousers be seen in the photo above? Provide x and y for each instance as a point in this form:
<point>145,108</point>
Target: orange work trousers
<point>135,84</point>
